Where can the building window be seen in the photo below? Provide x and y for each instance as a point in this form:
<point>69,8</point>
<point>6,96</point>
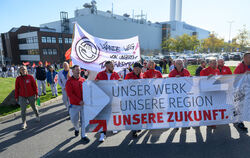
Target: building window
<point>34,52</point>
<point>35,40</point>
<point>53,40</point>
<point>22,41</point>
<point>44,40</point>
<point>70,40</point>
<point>54,52</point>
<point>49,51</point>
<point>29,40</point>
<point>48,39</point>
<point>66,40</point>
<point>45,52</point>
<point>60,40</point>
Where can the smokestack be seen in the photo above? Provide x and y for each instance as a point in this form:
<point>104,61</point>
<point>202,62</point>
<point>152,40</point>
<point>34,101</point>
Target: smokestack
<point>172,9</point>
<point>178,10</point>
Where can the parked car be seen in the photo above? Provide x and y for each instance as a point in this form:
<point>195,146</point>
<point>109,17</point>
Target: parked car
<point>225,56</point>
<point>236,57</point>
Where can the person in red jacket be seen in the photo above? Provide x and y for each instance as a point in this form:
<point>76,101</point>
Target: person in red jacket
<point>107,74</point>
<point>26,91</point>
<point>74,91</point>
<point>211,69</point>
<point>224,70</point>
<point>179,70</point>
<point>135,74</point>
<point>243,67</point>
<point>151,72</point>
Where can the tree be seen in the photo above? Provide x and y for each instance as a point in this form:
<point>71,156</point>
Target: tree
<point>168,45</point>
<point>213,43</point>
<point>243,38</point>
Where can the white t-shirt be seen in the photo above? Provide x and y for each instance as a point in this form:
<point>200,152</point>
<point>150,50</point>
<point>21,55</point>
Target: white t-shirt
<point>109,75</point>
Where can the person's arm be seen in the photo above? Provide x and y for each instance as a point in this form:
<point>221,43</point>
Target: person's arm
<point>34,86</point>
<point>17,89</point>
<point>47,77</point>
<point>159,75</point>
<point>97,77</point>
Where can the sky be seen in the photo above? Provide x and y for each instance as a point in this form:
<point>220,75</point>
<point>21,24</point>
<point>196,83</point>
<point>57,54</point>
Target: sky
<point>212,15</point>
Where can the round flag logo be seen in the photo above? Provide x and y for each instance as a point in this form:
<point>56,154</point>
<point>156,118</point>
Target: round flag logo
<point>86,50</point>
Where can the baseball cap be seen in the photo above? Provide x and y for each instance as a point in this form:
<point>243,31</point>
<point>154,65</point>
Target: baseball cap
<point>138,65</point>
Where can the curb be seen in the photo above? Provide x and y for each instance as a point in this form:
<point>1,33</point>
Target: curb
<point>18,113</point>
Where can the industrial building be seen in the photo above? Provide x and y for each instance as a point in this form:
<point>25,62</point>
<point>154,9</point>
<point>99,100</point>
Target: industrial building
<point>108,25</point>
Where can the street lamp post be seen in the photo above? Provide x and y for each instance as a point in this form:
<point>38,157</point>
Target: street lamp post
<point>230,28</point>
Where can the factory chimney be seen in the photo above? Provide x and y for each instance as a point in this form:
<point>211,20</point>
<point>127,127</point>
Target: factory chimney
<point>175,10</point>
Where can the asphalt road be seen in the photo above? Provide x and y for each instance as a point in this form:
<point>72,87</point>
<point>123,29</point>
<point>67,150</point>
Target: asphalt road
<point>54,137</point>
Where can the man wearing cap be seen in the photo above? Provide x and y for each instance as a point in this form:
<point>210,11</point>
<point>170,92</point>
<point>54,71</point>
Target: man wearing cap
<point>135,74</point>
<point>40,75</point>
<point>179,70</point>
<point>243,67</point>
<point>151,72</point>
<point>75,94</point>
<point>224,70</point>
<point>107,74</point>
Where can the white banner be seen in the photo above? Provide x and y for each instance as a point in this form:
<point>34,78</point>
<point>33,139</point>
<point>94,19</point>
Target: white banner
<point>91,53</point>
<point>165,103</point>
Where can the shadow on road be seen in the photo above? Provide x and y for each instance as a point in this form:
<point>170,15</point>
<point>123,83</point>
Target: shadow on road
<point>218,143</point>
<point>34,128</point>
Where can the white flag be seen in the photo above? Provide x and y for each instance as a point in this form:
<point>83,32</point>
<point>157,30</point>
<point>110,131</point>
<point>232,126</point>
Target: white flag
<point>91,53</point>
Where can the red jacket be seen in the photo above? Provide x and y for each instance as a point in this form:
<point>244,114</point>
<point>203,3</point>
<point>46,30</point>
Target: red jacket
<point>152,73</point>
<point>103,76</point>
<point>241,68</point>
<point>225,70</point>
<point>133,76</point>
<point>174,73</point>
<point>74,90</point>
<point>25,86</point>
<point>208,71</point>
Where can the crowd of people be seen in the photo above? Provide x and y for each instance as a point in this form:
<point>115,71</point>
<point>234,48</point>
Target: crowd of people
<point>71,80</point>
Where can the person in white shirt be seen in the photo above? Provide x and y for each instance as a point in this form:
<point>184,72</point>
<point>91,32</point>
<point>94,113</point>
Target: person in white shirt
<point>63,76</point>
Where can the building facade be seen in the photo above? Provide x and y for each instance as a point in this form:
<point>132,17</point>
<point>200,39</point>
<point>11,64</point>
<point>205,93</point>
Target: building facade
<point>34,44</point>
<point>107,25</point>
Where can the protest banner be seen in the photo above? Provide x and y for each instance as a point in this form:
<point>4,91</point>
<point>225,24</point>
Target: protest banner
<point>91,53</point>
<point>166,103</point>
